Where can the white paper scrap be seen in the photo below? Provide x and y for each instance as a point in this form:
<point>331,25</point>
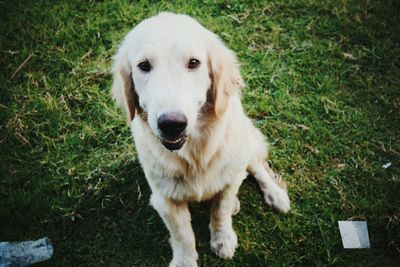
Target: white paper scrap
<point>354,234</point>
<point>387,165</point>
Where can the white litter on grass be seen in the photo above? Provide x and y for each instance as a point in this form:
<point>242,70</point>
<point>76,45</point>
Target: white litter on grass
<point>387,165</point>
<point>354,234</point>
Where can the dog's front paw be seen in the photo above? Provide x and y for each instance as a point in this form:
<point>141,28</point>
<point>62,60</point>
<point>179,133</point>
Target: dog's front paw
<point>277,198</point>
<point>223,243</point>
<point>183,262</point>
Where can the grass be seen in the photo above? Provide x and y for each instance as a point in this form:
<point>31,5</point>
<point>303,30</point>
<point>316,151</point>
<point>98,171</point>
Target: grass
<point>323,84</point>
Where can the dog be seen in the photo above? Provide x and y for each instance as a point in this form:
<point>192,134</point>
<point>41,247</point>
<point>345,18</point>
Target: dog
<point>180,87</point>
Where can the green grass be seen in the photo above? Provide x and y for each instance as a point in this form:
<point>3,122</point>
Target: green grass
<point>323,84</point>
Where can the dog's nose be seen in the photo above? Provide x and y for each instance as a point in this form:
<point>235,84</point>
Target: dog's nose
<point>172,124</point>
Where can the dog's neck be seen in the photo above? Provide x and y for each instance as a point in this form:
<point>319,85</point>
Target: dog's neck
<point>206,142</point>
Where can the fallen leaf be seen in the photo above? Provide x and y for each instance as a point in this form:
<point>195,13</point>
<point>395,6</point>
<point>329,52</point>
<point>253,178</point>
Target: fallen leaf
<point>312,149</point>
<point>341,166</point>
<point>302,126</point>
<point>349,56</point>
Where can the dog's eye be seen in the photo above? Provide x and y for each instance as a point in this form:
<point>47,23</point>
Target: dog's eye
<point>145,66</point>
<point>193,63</point>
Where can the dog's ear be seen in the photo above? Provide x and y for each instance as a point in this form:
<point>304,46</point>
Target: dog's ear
<point>224,73</point>
<point>123,89</point>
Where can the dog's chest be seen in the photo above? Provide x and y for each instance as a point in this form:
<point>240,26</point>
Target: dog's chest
<point>183,180</point>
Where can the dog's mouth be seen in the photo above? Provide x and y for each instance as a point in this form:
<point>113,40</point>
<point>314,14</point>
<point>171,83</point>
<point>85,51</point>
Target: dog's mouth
<point>174,143</point>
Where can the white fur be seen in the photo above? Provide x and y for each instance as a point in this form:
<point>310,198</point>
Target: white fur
<point>222,145</point>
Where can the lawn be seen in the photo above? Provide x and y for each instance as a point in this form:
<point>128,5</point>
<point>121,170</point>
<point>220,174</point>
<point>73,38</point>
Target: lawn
<point>322,83</point>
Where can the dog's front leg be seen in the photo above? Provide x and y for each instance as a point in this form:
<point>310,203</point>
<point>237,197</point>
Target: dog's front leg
<point>223,238</point>
<point>176,217</point>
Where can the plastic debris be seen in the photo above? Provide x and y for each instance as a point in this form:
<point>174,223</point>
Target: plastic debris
<point>354,234</point>
<point>387,165</point>
<point>25,253</point>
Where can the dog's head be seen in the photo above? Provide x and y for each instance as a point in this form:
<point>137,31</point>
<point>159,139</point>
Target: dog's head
<point>167,70</point>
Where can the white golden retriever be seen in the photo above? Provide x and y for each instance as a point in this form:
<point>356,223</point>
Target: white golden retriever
<point>180,87</point>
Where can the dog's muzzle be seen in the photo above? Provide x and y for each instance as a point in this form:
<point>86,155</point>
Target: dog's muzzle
<point>172,126</point>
